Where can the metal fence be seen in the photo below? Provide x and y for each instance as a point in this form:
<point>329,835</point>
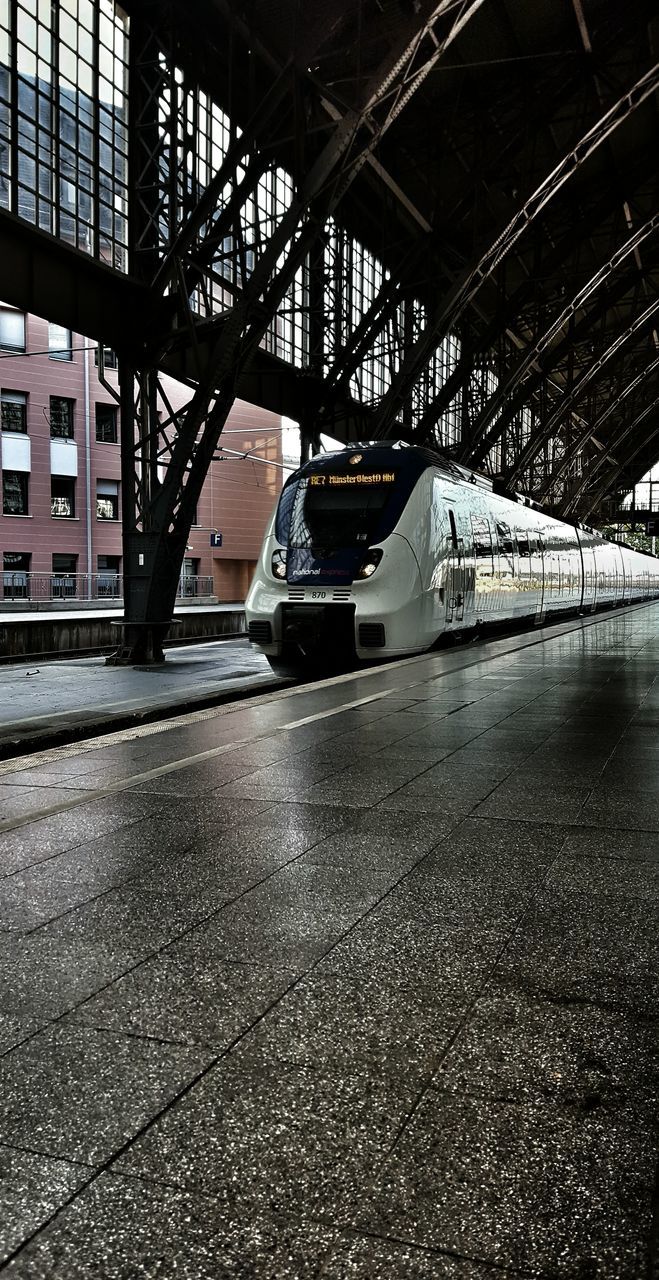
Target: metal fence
<point>106,587</point>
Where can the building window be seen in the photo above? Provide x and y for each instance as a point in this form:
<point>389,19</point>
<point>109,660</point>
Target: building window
<point>106,424</point>
<point>65,567</point>
<point>14,493</point>
<point>109,575</point>
<point>109,357</point>
<point>107,500</point>
<point>59,343</point>
<point>12,329</point>
<point>14,411</point>
<point>62,496</point>
<point>61,418</point>
<point>15,570</point>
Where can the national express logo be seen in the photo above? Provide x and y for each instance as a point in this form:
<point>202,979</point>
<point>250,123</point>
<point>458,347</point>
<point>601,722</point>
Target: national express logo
<point>316,573</point>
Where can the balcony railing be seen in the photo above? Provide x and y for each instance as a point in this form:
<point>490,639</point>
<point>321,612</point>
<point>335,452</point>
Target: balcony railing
<point>107,588</point>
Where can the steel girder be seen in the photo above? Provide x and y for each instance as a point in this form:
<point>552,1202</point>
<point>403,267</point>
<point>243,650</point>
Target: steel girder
<point>562,397</point>
<point>591,501</point>
<point>550,425</point>
<point>594,430</point>
<point>504,403</point>
<point>451,309</point>
<point>592,218</point>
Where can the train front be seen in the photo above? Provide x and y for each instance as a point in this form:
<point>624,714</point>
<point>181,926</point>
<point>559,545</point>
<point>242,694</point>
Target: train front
<point>334,581</point>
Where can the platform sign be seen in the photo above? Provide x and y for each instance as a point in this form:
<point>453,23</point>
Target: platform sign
<point>216,539</point>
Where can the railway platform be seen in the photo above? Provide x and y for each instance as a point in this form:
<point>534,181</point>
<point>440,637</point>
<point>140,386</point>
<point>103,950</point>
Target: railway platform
<point>350,980</point>
<point>48,700</point>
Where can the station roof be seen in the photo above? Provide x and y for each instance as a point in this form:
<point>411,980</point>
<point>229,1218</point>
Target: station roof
<point>515,193</point>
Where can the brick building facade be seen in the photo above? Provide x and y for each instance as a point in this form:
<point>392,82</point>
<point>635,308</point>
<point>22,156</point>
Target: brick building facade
<point>61,475</point>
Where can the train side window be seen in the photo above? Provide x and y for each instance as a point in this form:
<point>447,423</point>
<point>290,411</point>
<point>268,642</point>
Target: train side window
<point>505,538</point>
<point>480,528</point>
<point>523,545</point>
<point>454,532</point>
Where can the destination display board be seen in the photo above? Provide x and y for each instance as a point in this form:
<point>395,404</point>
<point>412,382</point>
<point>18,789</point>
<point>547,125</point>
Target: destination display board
<point>358,479</point>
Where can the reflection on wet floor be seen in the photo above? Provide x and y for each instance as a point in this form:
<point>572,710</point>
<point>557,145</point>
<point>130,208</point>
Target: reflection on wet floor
<point>325,986</point>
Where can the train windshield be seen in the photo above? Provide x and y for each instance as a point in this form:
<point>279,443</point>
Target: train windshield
<point>329,511</point>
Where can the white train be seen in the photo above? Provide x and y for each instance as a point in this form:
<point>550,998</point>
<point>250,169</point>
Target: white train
<point>379,549</point>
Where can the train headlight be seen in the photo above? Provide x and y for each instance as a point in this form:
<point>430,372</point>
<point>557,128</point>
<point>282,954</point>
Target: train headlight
<point>370,563</point>
<point>278,564</point>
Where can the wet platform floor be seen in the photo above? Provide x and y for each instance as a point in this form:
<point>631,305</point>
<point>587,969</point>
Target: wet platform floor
<point>356,980</point>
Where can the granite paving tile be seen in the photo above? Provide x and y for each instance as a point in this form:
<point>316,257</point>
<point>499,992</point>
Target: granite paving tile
<point>507,737</point>
<point>123,1227</point>
<point>426,829</point>
<point>245,855</point>
<point>384,1022</point>
<point>196,779</point>
<point>16,1027</point>
<point>188,995</point>
<point>452,770</point>
<point>616,842</point>
<point>32,1188</point>
<point>601,950</point>
<point>50,971</point>
<point>633,812</point>
<point>78,1093</point>
<point>269,1137</point>
<point>9,788</point>
<point>521,1048</point>
<point>481,720</point>
<point>139,920</point>
<point>523,1187</point>
<point>402,953</point>
<point>227,818</point>
<point>632,780</point>
<point>425,711</point>
<point>495,846</point>
<point>293,918</point>
<point>468,760</point>
<point>264,751</point>
<point>445,734</point>
<point>606,878</point>
<point>448,800</point>
<point>357,789</point>
<point>45,837</point>
<point>376,846</point>
<point>30,801</point>
<point>38,894</point>
<point>449,790</point>
<point>559,767</point>
<point>278,832</point>
<point>203,880</point>
<point>366,1258</point>
<point>448,893</point>
<point>291,778</point>
<point>107,861</point>
<point>551,803</point>
<point>423,756</point>
<point>102,775</point>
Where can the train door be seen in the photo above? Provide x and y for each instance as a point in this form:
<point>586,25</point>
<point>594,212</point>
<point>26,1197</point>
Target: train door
<point>524,571</point>
<point>541,574</point>
<point>455,574</point>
